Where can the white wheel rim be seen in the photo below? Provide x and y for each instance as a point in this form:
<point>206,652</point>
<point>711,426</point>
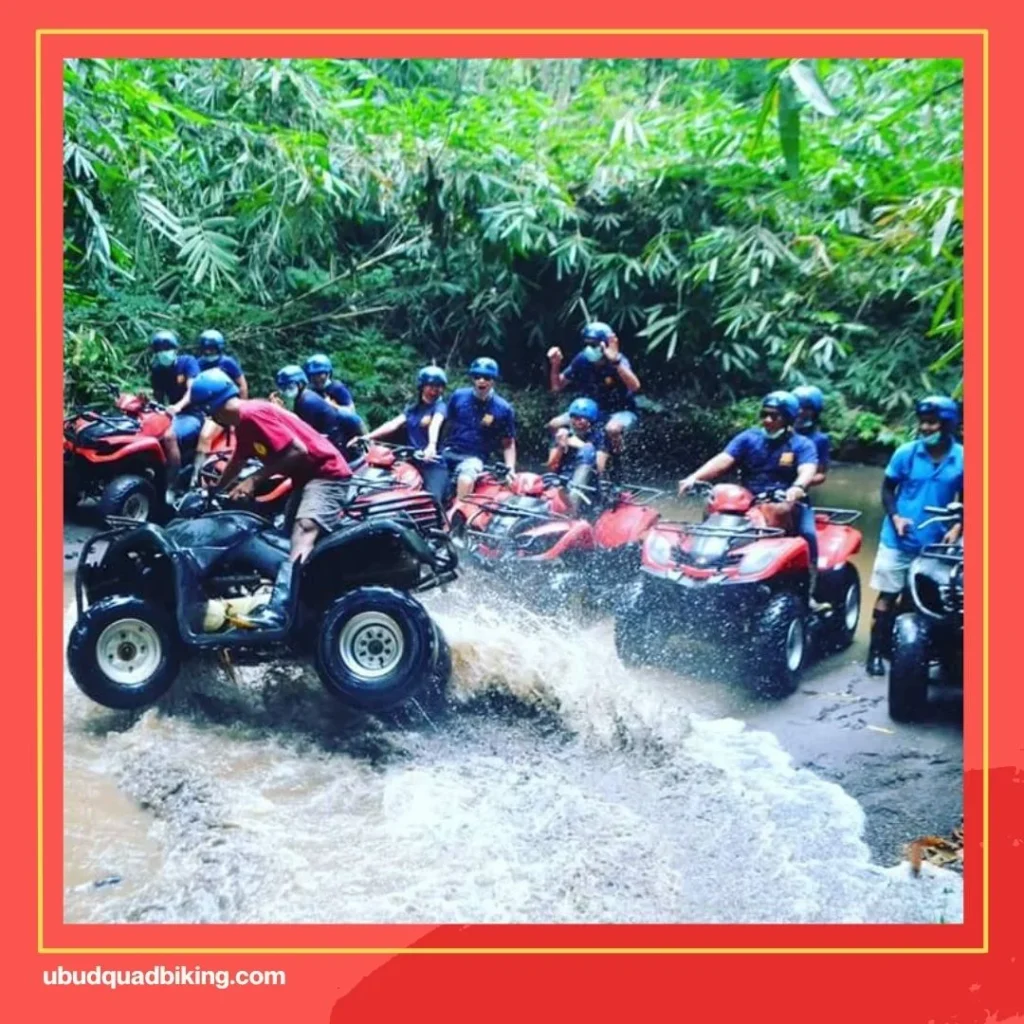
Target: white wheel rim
<point>794,645</point>
<point>851,607</point>
<point>128,652</point>
<point>136,506</point>
<point>371,645</point>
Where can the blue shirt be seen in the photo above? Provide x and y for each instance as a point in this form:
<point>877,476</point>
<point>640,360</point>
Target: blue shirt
<point>766,465</point>
<point>323,416</point>
<point>596,440</point>
<point>417,420</point>
<point>475,427</point>
<point>600,381</point>
<point>822,445</point>
<point>231,366</point>
<point>169,382</point>
<point>921,481</point>
<point>336,392</point>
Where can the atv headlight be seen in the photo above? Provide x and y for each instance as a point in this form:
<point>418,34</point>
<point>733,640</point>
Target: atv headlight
<point>658,548</point>
<point>756,560</point>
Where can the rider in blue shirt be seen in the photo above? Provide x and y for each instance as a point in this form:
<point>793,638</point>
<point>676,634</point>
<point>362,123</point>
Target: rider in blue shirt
<point>479,421</point>
<point>319,370</point>
<point>602,373</point>
<point>812,402</point>
<point>210,347</point>
<point>769,458</point>
<point>171,374</point>
<point>579,450</point>
<point>339,426</point>
<point>928,471</point>
<point>422,421</point>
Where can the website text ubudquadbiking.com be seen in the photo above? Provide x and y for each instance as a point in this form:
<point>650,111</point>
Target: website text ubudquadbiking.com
<point>160,975</point>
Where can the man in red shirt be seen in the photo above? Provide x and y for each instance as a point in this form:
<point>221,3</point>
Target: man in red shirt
<point>287,445</point>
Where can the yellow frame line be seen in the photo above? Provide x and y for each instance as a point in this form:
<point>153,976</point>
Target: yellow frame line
<point>512,32</point>
<point>42,948</point>
<point>519,951</point>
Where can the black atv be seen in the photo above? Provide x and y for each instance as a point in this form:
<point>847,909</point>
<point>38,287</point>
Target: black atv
<point>147,595</point>
<point>928,641</point>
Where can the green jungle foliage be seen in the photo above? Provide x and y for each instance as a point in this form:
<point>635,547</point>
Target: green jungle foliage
<point>741,223</point>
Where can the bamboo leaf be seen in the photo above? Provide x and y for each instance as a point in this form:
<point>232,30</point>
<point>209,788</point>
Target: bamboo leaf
<point>805,79</point>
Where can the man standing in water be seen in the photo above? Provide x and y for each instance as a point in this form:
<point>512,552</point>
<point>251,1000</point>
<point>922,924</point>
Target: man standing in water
<point>927,471</point>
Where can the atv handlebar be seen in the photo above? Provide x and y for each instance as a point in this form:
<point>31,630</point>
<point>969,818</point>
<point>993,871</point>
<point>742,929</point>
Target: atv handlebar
<point>951,513</point>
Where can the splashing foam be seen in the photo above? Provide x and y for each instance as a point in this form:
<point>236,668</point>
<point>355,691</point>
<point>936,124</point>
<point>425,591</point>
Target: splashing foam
<point>562,787</point>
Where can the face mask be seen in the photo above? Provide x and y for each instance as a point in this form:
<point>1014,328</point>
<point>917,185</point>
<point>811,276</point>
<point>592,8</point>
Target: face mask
<point>291,393</point>
<point>805,425</point>
<point>773,435</point>
<point>931,440</point>
<point>166,358</point>
<point>591,353</point>
<point>208,361</point>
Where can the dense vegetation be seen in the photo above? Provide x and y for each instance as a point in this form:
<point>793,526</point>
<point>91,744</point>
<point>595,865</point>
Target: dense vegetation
<point>741,223</point>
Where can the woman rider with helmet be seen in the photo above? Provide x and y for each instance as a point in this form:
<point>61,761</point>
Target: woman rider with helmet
<point>769,458</point>
<point>580,449</point>
<point>422,421</point>
<point>319,371</point>
<point>926,471</point>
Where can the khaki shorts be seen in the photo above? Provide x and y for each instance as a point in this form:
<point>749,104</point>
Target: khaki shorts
<point>889,573</point>
<point>321,501</point>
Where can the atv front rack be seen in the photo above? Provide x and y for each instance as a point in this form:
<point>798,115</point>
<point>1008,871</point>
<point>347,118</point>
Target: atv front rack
<point>837,516</point>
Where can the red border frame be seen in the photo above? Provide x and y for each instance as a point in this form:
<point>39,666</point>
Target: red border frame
<point>762,973</point>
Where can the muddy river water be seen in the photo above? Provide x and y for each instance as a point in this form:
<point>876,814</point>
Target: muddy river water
<point>558,786</point>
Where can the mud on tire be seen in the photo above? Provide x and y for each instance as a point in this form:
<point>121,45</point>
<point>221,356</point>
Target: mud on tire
<point>131,496</point>
<point>124,652</point>
<point>908,669</point>
<point>779,646</point>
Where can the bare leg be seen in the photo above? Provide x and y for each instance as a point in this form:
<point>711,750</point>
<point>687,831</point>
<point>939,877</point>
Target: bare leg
<point>464,485</point>
<point>304,535</point>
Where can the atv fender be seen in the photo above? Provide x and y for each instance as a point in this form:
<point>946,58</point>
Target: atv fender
<point>374,553</point>
<point>836,545</point>
<point>626,524</point>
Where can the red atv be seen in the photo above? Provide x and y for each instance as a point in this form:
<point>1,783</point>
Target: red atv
<point>116,458</point>
<point>737,579</point>
<point>525,527</point>
<point>387,484</point>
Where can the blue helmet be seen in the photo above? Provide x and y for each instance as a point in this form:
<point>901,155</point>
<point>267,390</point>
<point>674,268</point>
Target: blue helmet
<point>318,364</point>
<point>783,402</point>
<point>211,339</point>
<point>945,409</point>
<point>483,366</point>
<point>810,397</point>
<point>211,389</point>
<point>289,375</point>
<point>585,407</point>
<point>161,341</point>
<point>431,375</point>
<point>597,331</point>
